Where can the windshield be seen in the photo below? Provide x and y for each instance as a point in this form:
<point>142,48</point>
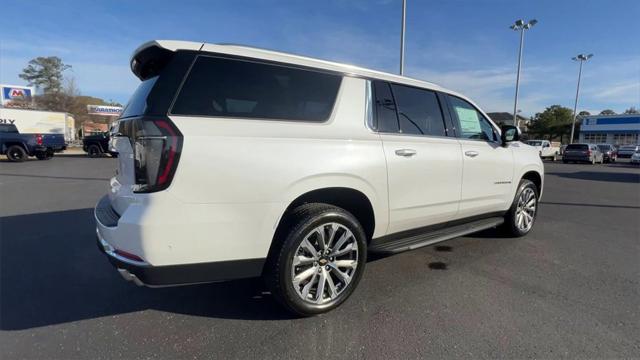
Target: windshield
<point>604,147</point>
<point>534,143</point>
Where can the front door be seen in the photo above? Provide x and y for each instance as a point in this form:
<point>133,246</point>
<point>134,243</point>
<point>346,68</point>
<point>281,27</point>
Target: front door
<point>487,165</point>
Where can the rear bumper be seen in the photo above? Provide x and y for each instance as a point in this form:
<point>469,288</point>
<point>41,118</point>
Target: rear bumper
<point>624,156</point>
<point>143,274</point>
<point>113,236</point>
<point>576,158</point>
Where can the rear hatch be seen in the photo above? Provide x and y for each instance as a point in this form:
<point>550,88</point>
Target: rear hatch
<point>147,142</point>
<point>577,150</point>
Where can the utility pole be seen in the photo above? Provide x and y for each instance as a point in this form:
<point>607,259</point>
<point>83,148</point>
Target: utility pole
<point>581,58</point>
<point>521,26</point>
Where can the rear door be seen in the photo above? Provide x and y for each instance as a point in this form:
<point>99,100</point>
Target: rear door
<point>424,165</point>
<point>487,165</point>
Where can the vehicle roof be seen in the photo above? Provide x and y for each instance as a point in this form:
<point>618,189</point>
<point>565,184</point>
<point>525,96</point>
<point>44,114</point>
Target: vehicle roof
<point>264,54</point>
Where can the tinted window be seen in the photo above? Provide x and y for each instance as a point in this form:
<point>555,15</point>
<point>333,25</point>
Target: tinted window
<point>418,111</point>
<point>581,147</point>
<point>234,88</point>
<point>385,108</point>
<point>471,123</point>
<point>8,128</point>
<point>138,102</point>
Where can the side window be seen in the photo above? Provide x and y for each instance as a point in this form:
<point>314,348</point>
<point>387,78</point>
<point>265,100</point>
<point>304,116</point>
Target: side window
<point>418,111</point>
<point>245,89</point>
<point>471,123</point>
<point>385,108</point>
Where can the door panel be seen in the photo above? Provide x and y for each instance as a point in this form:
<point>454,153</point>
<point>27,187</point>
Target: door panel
<point>487,177</point>
<point>425,175</point>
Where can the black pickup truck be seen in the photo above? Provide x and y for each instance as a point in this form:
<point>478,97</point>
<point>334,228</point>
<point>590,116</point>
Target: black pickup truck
<point>17,147</point>
<point>98,144</point>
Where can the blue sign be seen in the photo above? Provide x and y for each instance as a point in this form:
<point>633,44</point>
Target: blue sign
<point>15,93</point>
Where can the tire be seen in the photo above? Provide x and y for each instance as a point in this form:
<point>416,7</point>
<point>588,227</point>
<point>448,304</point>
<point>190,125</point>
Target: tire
<point>16,153</point>
<point>47,155</point>
<point>555,157</point>
<point>565,161</point>
<point>514,225</point>
<point>593,161</point>
<point>301,227</point>
<point>94,151</point>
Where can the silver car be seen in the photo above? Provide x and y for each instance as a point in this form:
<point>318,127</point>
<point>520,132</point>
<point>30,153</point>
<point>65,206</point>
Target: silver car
<point>582,153</point>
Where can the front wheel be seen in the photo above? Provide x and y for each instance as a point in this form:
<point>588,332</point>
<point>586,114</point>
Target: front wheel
<point>319,260</point>
<point>94,151</point>
<point>522,214</point>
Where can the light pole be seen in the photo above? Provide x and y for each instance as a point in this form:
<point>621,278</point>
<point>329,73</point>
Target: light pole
<point>581,58</point>
<point>404,16</point>
<point>520,25</point>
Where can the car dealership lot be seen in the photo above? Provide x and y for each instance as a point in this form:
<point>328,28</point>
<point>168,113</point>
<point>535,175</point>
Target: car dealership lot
<point>569,289</point>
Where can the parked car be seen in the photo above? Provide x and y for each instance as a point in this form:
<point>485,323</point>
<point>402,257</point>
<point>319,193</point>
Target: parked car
<point>609,152</point>
<point>625,151</point>
<point>237,162</point>
<point>546,149</point>
<point>562,148</point>
<point>582,153</point>
<point>98,144</point>
<point>635,158</point>
<point>17,147</point>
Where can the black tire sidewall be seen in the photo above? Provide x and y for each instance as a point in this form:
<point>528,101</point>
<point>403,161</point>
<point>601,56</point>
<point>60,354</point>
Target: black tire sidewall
<point>94,151</point>
<point>288,295</point>
<point>11,149</point>
<point>510,219</point>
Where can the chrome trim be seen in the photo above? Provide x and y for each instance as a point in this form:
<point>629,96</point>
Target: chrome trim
<point>130,277</point>
<point>368,106</point>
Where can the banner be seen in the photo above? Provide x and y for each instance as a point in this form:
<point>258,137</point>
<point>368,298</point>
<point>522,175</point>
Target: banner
<point>104,110</point>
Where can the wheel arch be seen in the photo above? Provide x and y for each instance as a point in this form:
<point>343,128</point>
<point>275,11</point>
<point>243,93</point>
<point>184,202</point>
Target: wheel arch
<point>535,177</point>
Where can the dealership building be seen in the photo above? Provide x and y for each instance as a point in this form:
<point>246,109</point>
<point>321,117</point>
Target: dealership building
<point>611,129</point>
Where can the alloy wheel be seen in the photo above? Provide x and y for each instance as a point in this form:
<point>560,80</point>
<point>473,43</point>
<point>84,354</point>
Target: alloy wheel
<point>324,263</point>
<point>526,209</point>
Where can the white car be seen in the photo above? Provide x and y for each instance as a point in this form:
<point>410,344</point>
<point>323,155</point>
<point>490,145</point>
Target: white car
<point>238,162</point>
<point>635,158</point>
<point>547,149</point>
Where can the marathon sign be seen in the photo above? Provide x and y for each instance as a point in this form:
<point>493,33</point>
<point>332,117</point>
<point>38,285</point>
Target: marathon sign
<point>16,93</point>
<point>104,110</point>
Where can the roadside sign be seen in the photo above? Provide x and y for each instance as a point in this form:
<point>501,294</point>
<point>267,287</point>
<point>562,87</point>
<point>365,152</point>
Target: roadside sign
<point>104,110</point>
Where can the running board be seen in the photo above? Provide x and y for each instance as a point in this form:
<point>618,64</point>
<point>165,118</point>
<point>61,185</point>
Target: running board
<point>392,244</point>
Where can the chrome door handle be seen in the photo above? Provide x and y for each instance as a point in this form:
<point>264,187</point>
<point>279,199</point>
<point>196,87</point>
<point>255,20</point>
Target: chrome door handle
<point>406,152</point>
<point>471,153</point>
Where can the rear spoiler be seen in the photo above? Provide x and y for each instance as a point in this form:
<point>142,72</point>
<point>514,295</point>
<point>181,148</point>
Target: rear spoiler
<point>151,57</point>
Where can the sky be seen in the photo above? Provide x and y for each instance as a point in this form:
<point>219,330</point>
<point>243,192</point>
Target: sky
<point>464,45</point>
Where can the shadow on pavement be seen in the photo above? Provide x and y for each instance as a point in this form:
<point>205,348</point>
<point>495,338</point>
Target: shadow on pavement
<point>600,176</point>
<point>55,177</point>
<point>51,272</point>
<point>590,205</point>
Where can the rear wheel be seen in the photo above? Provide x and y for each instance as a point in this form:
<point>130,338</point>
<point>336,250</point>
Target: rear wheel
<point>16,153</point>
<point>94,151</point>
<point>45,155</point>
<point>319,260</point>
<point>522,214</point>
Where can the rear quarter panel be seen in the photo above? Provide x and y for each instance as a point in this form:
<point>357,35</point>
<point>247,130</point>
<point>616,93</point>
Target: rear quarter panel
<point>260,166</point>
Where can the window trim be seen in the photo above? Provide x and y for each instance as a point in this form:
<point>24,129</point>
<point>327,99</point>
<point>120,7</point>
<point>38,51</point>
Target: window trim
<point>331,115</point>
<point>496,132</point>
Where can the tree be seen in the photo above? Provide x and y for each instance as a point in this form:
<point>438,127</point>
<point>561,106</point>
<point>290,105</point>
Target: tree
<point>607,112</point>
<point>553,123</point>
<point>632,110</point>
<point>45,73</point>
<point>584,113</point>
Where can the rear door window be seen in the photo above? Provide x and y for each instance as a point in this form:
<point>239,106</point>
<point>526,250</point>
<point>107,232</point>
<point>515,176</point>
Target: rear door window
<point>419,111</point>
<point>245,89</point>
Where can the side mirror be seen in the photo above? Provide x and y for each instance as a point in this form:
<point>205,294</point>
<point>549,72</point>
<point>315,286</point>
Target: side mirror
<point>510,133</point>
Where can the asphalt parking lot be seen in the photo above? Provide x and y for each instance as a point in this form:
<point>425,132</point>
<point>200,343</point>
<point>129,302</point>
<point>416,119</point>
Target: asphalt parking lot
<point>571,288</point>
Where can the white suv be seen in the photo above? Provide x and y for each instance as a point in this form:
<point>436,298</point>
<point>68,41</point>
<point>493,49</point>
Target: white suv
<point>239,162</point>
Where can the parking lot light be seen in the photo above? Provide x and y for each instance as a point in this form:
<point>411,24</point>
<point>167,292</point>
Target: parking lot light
<point>520,25</point>
<point>581,58</point>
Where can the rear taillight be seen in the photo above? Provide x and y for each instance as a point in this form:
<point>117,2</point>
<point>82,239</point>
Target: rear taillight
<point>156,146</point>
<point>589,152</point>
<point>39,139</point>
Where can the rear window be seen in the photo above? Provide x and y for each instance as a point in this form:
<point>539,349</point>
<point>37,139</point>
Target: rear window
<point>604,147</point>
<point>418,111</point>
<point>578,147</point>
<point>8,128</point>
<point>138,102</point>
<point>534,143</point>
<point>244,89</point>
